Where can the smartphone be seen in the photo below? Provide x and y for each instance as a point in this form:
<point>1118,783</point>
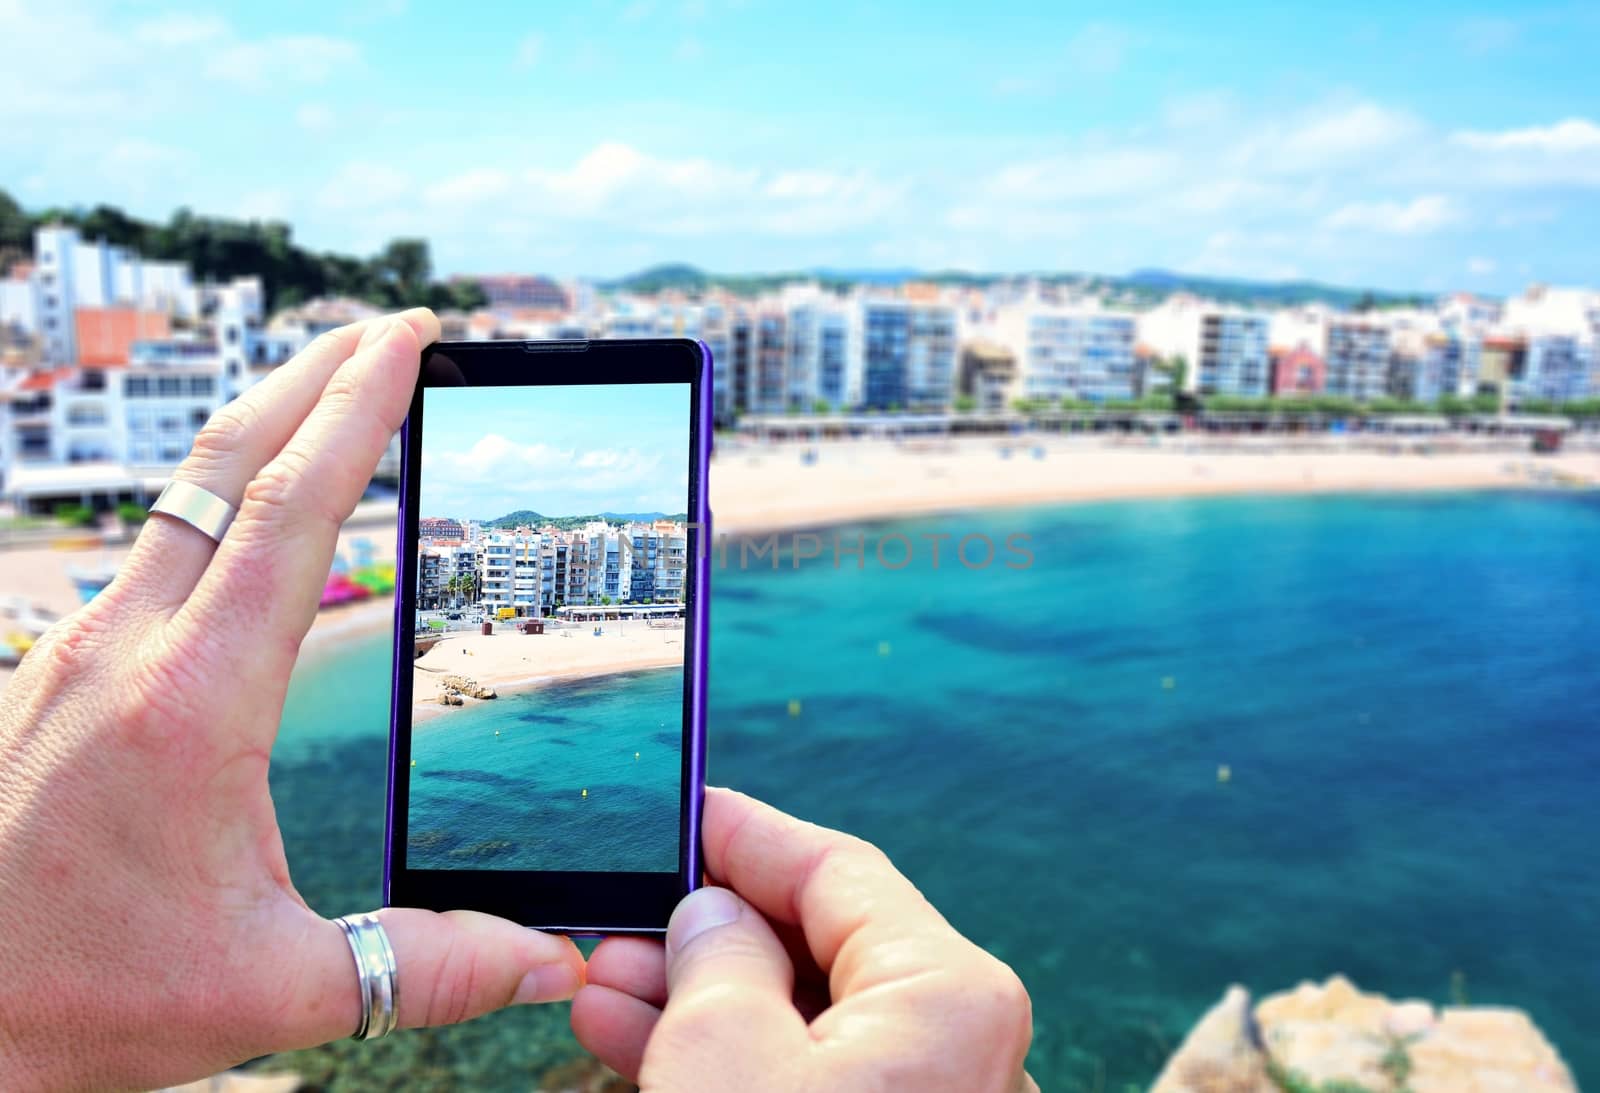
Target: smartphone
<point>553,553</point>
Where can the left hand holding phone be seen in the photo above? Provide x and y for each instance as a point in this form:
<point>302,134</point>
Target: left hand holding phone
<point>152,933</point>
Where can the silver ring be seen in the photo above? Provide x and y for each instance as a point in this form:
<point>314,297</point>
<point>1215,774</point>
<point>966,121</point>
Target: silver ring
<point>375,968</point>
<point>201,509</point>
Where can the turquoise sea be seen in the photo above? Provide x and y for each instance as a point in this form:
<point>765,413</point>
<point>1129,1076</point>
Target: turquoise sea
<point>1402,687</point>
<point>570,776</point>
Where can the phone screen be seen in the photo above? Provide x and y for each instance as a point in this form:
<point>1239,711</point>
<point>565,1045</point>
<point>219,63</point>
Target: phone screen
<point>553,563</point>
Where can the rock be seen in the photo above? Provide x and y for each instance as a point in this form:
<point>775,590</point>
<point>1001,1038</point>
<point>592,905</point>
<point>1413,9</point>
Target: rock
<point>450,698</point>
<point>468,686</point>
<point>242,1081</point>
<point>1334,1032</point>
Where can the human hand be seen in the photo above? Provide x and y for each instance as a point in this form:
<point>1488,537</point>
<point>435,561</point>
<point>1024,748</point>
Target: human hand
<point>151,930</point>
<point>827,970</point>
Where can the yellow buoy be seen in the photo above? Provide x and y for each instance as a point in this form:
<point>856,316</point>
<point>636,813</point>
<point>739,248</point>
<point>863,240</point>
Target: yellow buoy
<point>497,732</point>
<point>413,762</point>
<point>884,649</point>
<point>794,707</point>
<point>1224,774</point>
<point>1168,683</point>
<point>636,756</point>
<point>586,793</point>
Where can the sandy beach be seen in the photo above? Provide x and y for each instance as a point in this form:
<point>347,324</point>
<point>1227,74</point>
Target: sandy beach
<point>774,487</point>
<point>771,488</point>
<point>507,660</point>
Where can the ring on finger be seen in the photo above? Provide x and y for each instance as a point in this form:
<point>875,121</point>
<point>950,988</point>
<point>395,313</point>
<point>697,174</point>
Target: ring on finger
<point>375,970</point>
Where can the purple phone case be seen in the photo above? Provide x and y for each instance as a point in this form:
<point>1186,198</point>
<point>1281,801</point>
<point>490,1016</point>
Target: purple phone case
<point>694,863</point>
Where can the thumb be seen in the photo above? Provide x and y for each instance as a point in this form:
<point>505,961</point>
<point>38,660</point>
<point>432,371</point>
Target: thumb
<point>448,967</point>
<point>730,997</point>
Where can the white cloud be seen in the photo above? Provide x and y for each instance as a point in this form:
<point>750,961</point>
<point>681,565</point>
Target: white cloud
<point>1341,135</point>
<point>361,185</point>
<point>1420,215</point>
<point>1481,267</point>
<point>530,50</point>
<point>478,184</point>
<point>179,29</point>
<point>1094,173</point>
<point>496,467</point>
<point>314,117</point>
<point>300,58</point>
<point>1487,34</point>
<point>1097,49</point>
<point>1571,135</point>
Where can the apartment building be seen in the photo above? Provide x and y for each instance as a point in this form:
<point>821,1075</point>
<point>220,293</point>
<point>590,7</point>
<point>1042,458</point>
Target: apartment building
<point>1073,352</point>
<point>1226,350</point>
<point>818,371</point>
<point>1356,354</point>
<point>1555,366</point>
<point>903,351</point>
<point>533,571</point>
<point>521,292</point>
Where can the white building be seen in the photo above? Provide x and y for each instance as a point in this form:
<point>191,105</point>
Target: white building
<point>108,419</point>
<point>818,368</point>
<point>1225,348</point>
<point>1074,352</point>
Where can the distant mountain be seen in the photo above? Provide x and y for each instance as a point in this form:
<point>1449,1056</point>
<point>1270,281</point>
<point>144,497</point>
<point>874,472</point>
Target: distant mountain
<point>1160,283</point>
<point>1141,287</point>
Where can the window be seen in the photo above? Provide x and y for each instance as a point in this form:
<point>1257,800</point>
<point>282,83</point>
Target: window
<point>230,335</point>
<point>92,380</point>
<point>202,385</point>
<point>50,301</point>
<point>169,423</point>
<point>198,418</point>
<point>136,386</point>
<point>169,454</point>
<point>139,421</point>
<point>169,385</point>
<point>89,416</point>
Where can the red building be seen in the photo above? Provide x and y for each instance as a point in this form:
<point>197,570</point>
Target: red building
<point>1297,371</point>
<point>441,529</point>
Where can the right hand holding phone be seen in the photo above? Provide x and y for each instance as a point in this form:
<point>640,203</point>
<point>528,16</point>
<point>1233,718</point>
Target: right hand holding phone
<point>818,966</point>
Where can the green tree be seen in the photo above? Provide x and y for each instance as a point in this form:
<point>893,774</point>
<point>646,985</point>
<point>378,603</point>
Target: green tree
<point>821,406</point>
<point>404,269</point>
<point>75,516</point>
<point>965,404</point>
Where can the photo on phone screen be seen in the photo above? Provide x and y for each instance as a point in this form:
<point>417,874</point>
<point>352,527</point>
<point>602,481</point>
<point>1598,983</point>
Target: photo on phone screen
<point>557,517</point>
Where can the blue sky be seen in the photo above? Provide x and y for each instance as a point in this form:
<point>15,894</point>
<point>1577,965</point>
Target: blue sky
<point>1427,145</point>
<point>560,451</point>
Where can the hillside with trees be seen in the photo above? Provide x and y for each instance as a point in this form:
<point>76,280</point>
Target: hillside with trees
<point>218,248</point>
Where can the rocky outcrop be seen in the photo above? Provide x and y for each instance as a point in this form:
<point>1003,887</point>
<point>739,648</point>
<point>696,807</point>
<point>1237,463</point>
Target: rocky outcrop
<point>241,1081</point>
<point>450,698</point>
<point>467,686</point>
<point>1316,1036</point>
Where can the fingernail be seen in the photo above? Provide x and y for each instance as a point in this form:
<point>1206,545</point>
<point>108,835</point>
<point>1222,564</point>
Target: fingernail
<point>547,983</point>
<point>702,910</point>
